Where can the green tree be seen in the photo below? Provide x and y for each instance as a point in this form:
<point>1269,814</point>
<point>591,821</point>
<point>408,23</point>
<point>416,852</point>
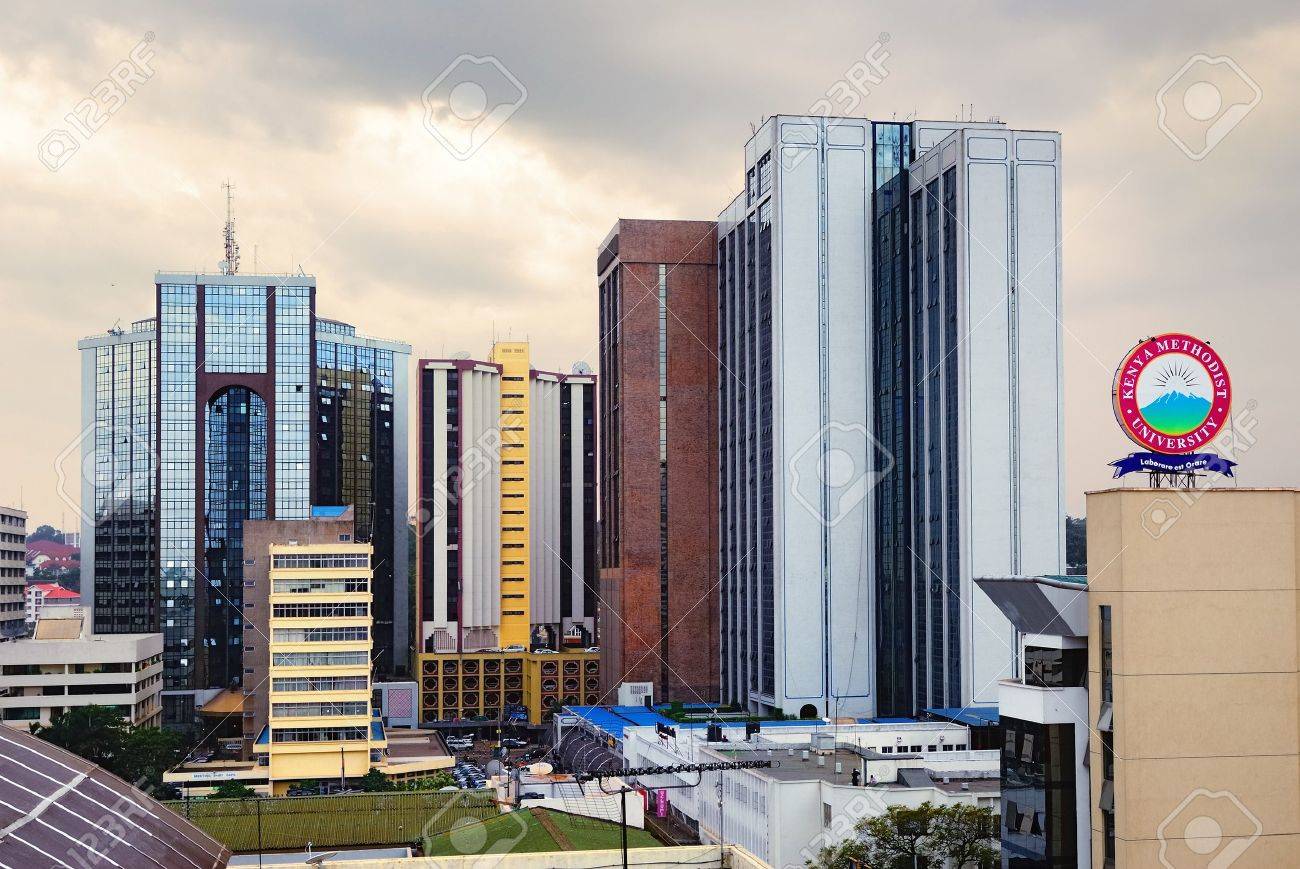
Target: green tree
<point>93,732</point>
<point>376,782</point>
<point>1076,545</point>
<point>899,838</point>
<point>145,754</point>
<point>848,854</point>
<point>46,532</point>
<point>429,783</point>
<point>232,790</point>
<point>965,835</point>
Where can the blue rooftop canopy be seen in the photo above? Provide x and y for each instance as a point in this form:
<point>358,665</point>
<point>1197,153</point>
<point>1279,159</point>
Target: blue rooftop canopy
<point>971,716</point>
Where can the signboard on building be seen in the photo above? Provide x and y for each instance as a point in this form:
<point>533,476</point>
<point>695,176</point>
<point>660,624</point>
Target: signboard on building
<point>1172,396</point>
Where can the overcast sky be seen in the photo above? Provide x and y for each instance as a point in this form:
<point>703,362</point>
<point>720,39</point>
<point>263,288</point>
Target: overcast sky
<point>632,110</point>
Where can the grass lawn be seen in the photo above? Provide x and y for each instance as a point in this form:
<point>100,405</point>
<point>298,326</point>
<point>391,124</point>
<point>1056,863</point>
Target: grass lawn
<point>521,832</point>
<point>351,820</point>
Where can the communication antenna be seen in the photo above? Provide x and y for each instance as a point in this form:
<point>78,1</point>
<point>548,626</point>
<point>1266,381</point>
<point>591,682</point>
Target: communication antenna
<point>230,265</point>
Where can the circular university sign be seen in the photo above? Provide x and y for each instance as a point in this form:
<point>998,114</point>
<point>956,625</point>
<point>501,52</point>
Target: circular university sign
<point>1172,394</point>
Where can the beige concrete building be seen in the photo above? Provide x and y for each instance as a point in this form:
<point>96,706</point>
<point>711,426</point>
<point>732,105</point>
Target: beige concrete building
<point>60,668</point>
<point>1194,680</point>
<point>13,573</point>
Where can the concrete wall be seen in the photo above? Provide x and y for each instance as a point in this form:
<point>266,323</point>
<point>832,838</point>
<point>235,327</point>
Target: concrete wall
<point>699,856</point>
<point>1203,590</point>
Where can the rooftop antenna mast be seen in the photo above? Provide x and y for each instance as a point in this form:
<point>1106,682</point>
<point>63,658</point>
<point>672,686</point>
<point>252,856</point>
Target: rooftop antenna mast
<point>230,265</point>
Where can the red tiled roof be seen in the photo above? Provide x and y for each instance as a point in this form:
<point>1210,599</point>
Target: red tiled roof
<point>53,591</point>
<point>51,549</point>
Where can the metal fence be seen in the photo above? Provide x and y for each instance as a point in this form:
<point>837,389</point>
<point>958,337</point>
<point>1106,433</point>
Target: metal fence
<point>289,823</point>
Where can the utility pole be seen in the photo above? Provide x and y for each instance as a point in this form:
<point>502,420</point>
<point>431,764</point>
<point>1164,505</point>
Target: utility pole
<point>258,801</point>
<point>622,821</point>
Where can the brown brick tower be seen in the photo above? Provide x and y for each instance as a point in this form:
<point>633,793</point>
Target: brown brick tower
<point>658,614</point>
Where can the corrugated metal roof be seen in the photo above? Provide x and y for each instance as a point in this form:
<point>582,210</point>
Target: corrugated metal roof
<point>57,809</point>
<point>229,701</point>
<point>57,629</point>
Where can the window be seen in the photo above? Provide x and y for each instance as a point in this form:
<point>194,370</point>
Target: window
<point>319,560</point>
<point>319,659</point>
<point>319,586</point>
<point>1056,668</point>
<point>321,683</point>
<point>315,710</point>
<point>320,635</point>
<point>1106,800</point>
<point>320,610</point>
<point>1038,792</point>
<point>318,734</point>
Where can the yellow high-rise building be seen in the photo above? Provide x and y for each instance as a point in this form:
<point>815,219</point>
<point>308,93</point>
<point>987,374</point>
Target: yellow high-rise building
<point>512,356</point>
<point>507,507</point>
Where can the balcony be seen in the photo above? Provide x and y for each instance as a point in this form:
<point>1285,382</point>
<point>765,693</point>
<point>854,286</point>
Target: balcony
<point>1029,702</point>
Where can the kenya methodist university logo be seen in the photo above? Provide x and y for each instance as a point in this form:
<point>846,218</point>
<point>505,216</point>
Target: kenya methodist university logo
<point>1172,394</point>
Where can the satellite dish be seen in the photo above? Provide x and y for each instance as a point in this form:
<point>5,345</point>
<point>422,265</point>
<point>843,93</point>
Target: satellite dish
<point>541,768</point>
<point>581,368</point>
<point>494,767</point>
<point>460,354</point>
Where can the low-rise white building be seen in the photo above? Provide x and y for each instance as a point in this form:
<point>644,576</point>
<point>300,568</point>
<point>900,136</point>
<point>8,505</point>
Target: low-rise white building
<point>59,668</point>
<point>824,779</point>
<point>44,597</point>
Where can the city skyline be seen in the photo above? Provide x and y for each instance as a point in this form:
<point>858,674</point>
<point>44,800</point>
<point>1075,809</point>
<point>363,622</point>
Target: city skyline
<point>352,186</point>
<point>788,435</point>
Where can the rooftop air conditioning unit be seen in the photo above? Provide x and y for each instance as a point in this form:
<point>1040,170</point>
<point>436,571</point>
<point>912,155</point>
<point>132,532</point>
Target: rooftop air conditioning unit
<point>636,694</point>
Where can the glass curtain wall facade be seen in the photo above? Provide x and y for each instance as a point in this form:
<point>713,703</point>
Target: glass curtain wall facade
<point>355,460</point>
<point>177,327</point>
<point>1038,796</point>
<point>234,442</point>
<point>124,483</point>
<point>748,642</point>
<point>293,402</point>
<point>235,475</point>
<point>927,446</point>
<point>891,421</point>
<point>204,417</point>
